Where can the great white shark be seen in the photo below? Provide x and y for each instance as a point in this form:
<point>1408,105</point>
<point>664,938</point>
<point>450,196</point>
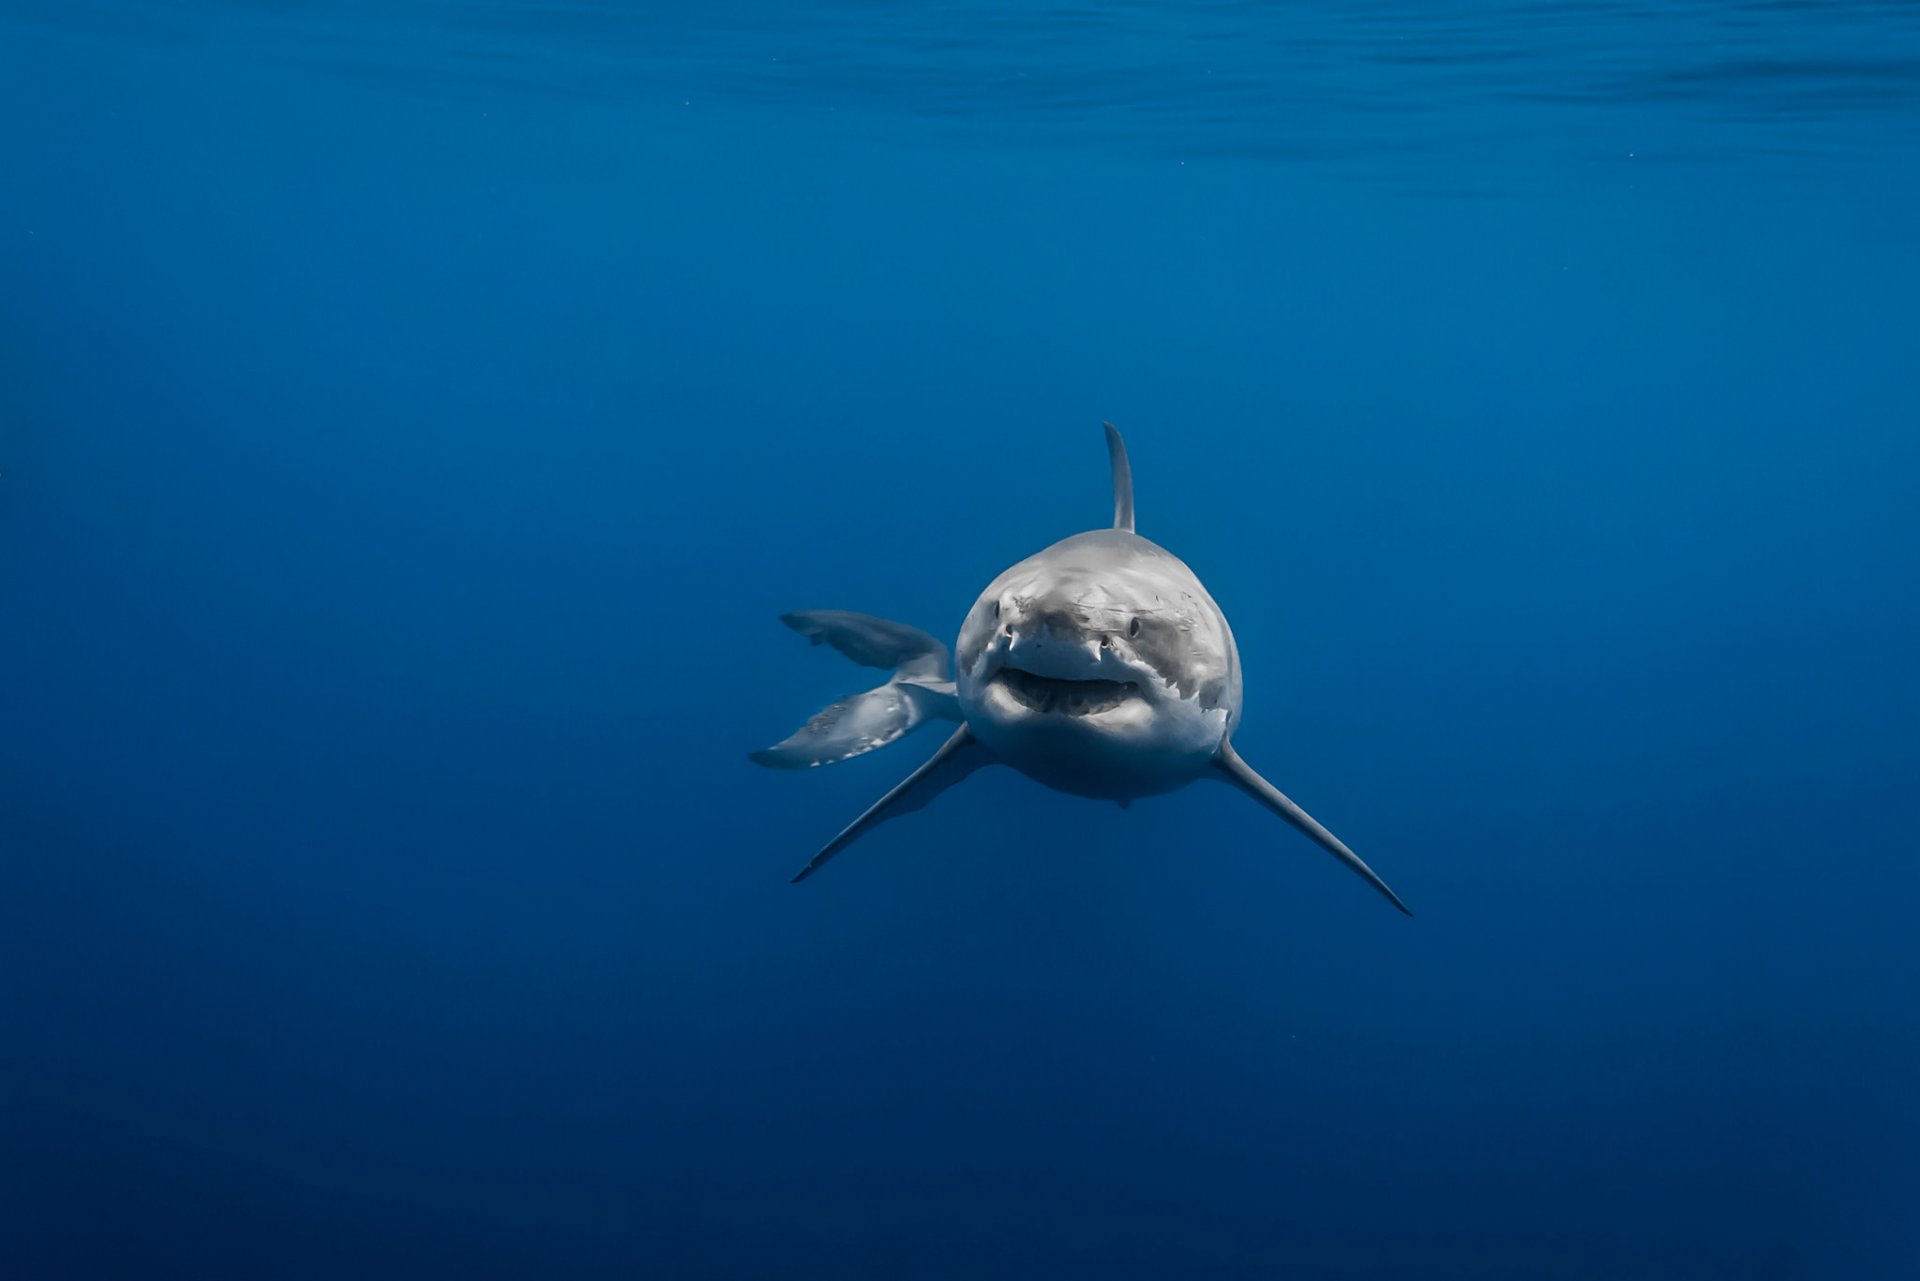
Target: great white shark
<point>1099,666</point>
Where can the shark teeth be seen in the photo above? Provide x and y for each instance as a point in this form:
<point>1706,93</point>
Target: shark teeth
<point>1049,694</point>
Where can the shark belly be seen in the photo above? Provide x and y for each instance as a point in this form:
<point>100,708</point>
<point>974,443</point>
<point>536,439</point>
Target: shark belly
<point>1081,765</point>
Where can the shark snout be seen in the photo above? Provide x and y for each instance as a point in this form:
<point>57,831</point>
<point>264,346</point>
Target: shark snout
<point>1058,627</point>
<point>1060,617</point>
<point>1060,646</point>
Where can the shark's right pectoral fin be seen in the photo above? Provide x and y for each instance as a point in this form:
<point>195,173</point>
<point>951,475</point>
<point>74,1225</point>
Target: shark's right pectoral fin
<point>958,757</point>
<point>1248,780</point>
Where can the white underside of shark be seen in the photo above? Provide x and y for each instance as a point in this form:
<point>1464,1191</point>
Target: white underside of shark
<point>1099,666</point>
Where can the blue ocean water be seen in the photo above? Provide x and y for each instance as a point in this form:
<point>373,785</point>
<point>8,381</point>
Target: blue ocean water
<point>415,416</point>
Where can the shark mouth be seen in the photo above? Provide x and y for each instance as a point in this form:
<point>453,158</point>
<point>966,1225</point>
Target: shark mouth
<point>1067,697</point>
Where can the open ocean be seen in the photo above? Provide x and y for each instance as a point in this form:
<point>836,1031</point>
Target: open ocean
<point>415,416</point>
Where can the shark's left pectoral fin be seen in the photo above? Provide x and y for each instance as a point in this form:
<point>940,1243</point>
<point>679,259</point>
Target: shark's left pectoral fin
<point>1244,777</point>
<point>958,757</point>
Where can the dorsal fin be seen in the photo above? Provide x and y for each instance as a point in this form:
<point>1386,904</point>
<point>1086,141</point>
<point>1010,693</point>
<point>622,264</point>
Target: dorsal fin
<point>1122,480</point>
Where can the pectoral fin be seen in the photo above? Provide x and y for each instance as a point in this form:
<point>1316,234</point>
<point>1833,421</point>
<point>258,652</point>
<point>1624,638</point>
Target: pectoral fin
<point>1243,776</point>
<point>958,757</point>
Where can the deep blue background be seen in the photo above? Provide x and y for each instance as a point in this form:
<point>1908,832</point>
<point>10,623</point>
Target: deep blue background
<point>414,417</point>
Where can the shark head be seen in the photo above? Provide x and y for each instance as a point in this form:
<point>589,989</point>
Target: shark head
<point>1100,666</point>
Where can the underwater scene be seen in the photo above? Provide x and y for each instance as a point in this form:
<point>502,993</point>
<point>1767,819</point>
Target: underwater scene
<point>494,492</point>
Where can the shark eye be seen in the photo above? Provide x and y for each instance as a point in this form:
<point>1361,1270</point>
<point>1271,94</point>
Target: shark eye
<point>996,609</point>
<point>1133,628</point>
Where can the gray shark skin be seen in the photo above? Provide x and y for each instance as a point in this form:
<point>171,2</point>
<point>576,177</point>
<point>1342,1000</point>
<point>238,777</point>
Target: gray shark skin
<point>1099,666</point>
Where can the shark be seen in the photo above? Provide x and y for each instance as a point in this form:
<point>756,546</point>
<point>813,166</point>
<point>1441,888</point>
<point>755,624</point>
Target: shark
<point>1099,666</point>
